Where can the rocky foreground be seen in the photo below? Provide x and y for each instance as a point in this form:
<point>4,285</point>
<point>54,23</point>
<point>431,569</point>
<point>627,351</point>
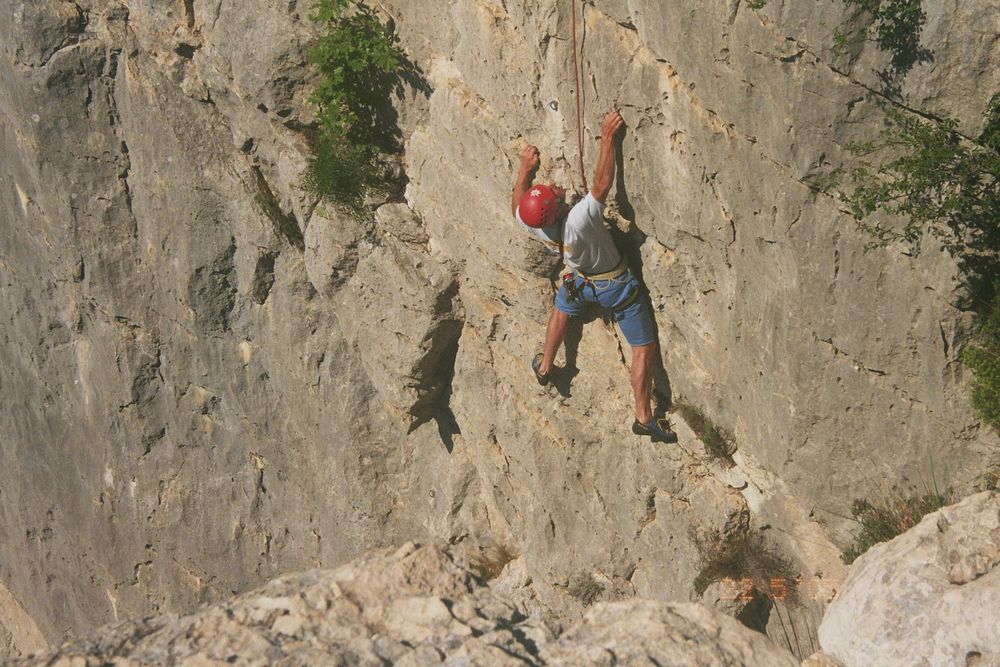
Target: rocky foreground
<point>928,597</point>
<point>417,606</point>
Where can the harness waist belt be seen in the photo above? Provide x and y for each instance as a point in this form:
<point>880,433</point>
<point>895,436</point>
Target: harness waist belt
<point>613,273</point>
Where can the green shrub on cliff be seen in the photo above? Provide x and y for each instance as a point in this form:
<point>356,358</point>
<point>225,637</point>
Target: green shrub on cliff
<point>983,357</point>
<point>896,515</point>
<point>719,443</point>
<point>935,181</point>
<point>358,63</point>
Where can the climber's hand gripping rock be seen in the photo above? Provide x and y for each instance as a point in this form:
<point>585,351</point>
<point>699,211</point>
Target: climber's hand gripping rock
<point>529,159</point>
<point>611,125</point>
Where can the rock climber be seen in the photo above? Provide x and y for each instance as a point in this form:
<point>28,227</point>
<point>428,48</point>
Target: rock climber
<point>598,273</point>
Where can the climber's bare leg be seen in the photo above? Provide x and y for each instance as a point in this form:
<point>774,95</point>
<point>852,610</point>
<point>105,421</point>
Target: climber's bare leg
<point>642,380</point>
<point>555,334</point>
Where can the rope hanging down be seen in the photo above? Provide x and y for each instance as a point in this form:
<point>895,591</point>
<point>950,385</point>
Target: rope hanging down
<point>579,104</point>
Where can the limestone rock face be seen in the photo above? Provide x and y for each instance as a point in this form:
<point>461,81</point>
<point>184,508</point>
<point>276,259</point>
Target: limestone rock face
<point>210,378</point>
<point>18,633</point>
<point>820,659</point>
<point>416,606</point>
<point>929,597</point>
<point>641,632</point>
<point>763,291</point>
<point>406,318</point>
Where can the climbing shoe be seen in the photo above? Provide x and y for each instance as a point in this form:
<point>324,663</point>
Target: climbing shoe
<point>657,429</point>
<point>536,363</point>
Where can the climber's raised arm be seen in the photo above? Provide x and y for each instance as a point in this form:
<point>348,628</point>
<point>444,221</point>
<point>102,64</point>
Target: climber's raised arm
<point>604,174</point>
<point>525,173</point>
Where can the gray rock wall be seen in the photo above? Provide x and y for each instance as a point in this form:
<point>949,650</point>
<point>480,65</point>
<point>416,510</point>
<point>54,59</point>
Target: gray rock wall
<point>208,378</point>
<point>184,414</point>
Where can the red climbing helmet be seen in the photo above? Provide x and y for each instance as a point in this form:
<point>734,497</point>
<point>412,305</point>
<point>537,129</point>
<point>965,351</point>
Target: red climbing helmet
<point>539,206</point>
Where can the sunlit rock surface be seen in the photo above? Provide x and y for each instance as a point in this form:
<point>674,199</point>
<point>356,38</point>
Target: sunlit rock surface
<point>210,379</point>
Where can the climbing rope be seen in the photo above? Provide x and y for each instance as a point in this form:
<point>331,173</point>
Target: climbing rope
<point>579,104</point>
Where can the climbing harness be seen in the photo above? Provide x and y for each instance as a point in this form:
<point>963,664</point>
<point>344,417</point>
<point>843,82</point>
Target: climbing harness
<point>575,288</point>
<point>627,302</point>
<point>613,274</point>
<point>579,104</point>
<point>621,268</point>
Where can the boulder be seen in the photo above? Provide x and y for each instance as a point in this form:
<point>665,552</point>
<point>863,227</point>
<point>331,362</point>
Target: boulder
<point>644,632</point>
<point>929,597</point>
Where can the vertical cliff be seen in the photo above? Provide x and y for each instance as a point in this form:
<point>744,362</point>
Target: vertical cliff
<point>210,377</point>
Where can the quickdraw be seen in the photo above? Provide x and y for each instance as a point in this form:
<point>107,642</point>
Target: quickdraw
<point>574,292</point>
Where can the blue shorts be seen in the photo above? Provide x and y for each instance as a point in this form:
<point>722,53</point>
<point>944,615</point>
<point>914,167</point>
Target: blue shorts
<point>635,320</point>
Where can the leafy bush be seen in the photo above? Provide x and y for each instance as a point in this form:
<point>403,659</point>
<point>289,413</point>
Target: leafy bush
<point>881,524</point>
<point>938,181</point>
<point>943,184</point>
<point>339,170</point>
<point>358,63</point>
<point>983,357</point>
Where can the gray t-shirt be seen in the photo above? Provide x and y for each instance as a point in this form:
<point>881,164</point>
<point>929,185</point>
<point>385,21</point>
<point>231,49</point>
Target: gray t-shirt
<point>587,243</point>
